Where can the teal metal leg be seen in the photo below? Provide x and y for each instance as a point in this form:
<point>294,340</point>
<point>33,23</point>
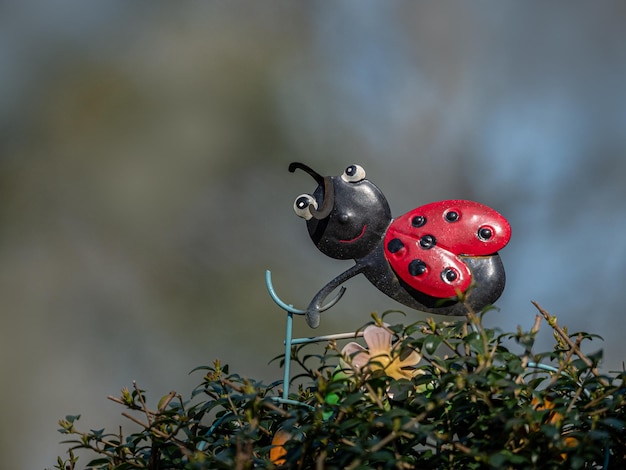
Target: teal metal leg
<point>287,372</point>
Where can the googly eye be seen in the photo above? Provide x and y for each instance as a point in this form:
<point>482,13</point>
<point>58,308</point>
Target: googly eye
<point>353,174</point>
<point>302,206</point>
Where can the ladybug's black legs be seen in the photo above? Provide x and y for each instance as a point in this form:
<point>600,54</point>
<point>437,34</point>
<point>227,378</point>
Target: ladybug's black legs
<point>317,304</point>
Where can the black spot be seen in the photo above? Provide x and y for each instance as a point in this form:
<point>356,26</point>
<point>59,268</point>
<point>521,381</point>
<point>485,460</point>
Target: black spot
<point>417,267</point>
<point>427,242</point>
<point>449,275</point>
<point>395,245</point>
<point>351,170</point>
<point>418,221</point>
<point>452,216</point>
<point>485,233</point>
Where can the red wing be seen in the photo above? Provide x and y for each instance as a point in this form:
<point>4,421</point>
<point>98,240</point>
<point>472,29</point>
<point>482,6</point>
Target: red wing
<point>433,271</point>
<point>459,226</point>
<point>423,245</point>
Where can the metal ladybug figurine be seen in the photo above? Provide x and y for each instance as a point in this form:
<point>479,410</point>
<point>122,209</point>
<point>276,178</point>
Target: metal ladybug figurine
<point>424,259</point>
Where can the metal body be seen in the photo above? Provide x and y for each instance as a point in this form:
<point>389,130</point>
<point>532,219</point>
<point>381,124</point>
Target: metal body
<point>424,259</point>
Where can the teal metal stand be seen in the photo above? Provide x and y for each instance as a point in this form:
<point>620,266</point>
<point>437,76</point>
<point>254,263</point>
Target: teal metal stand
<point>290,340</point>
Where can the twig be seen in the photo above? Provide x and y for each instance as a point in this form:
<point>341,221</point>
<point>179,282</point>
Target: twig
<point>234,386</point>
<point>553,323</point>
<point>535,329</point>
<point>528,348</point>
<point>387,439</point>
<point>137,421</point>
<point>374,395</point>
<point>143,404</point>
<point>561,368</point>
<point>161,434</point>
<point>275,408</point>
<point>164,404</point>
<point>116,400</point>
<point>319,463</point>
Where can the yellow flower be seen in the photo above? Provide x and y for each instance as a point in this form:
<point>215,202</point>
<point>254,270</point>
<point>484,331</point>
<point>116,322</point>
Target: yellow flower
<point>381,355</point>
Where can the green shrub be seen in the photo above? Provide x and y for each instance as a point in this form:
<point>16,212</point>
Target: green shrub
<point>479,398</point>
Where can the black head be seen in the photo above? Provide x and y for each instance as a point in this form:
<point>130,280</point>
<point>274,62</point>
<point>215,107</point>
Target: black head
<point>346,215</point>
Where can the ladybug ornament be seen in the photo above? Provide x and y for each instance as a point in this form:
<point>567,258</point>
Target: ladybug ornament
<point>425,259</point>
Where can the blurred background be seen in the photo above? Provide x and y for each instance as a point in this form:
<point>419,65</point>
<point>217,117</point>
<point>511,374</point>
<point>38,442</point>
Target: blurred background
<point>144,186</point>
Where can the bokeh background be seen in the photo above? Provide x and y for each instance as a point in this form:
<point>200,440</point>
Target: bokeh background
<point>144,186</point>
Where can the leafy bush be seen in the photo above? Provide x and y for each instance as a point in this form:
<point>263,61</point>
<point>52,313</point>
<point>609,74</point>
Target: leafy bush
<point>471,403</point>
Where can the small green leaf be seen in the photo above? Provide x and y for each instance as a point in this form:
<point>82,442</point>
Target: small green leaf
<point>431,343</point>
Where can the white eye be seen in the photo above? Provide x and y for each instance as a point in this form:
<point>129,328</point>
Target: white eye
<point>302,206</point>
<point>353,174</point>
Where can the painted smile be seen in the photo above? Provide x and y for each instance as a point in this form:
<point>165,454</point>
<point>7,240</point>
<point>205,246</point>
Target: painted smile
<point>355,238</point>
